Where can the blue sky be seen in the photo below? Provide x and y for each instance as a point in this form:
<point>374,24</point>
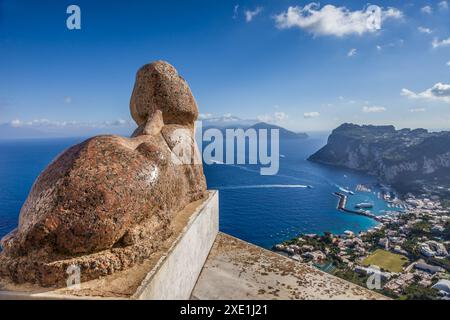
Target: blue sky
<point>306,67</point>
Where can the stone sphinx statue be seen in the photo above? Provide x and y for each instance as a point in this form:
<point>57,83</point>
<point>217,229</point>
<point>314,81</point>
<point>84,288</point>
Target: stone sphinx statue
<point>106,204</point>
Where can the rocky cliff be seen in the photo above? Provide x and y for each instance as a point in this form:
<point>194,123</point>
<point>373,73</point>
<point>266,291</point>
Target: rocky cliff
<point>410,160</point>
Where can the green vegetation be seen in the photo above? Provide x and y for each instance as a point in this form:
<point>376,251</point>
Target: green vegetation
<point>421,229</point>
<point>386,260</point>
<point>444,263</point>
<point>410,245</point>
<point>446,204</point>
<point>446,234</point>
<point>319,243</point>
<point>417,292</point>
<point>373,239</point>
<point>351,276</point>
<point>361,280</point>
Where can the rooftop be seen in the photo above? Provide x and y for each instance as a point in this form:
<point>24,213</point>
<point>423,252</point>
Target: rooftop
<point>238,270</point>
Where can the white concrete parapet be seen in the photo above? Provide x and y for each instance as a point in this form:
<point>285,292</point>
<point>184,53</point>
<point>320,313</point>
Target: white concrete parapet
<point>175,275</point>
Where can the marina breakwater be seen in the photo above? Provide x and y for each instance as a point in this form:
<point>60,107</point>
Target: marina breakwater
<point>342,206</point>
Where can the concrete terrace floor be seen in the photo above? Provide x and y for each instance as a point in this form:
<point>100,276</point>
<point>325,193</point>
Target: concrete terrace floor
<point>237,270</point>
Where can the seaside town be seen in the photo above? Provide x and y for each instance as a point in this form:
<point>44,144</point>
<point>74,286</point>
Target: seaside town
<point>407,252</point>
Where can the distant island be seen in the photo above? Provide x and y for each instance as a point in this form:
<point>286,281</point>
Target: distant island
<point>412,161</point>
<point>285,134</point>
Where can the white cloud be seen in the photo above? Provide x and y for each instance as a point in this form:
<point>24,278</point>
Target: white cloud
<point>333,21</point>
<point>249,14</point>
<point>409,94</point>
<point>391,13</point>
<point>448,63</point>
<point>443,5</point>
<point>16,123</point>
<point>265,118</point>
<point>440,43</point>
<point>204,116</point>
<point>277,117</point>
<point>120,122</point>
<point>352,52</point>
<point>425,30</point>
<point>74,124</point>
<point>439,92</point>
<point>373,109</point>
<point>235,11</point>
<point>310,115</point>
<point>427,9</point>
<point>226,118</point>
<point>415,110</point>
<point>35,123</point>
<point>280,116</point>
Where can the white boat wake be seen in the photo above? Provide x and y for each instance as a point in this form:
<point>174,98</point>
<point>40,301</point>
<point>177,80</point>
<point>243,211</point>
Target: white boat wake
<point>343,189</point>
<point>265,186</point>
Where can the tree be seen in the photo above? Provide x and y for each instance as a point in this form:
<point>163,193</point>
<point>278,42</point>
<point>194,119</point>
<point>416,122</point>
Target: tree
<point>417,292</point>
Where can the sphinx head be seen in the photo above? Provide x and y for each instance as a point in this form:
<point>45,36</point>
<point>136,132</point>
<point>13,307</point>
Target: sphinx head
<point>159,87</point>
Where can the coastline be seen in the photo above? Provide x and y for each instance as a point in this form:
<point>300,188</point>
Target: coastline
<point>408,248</point>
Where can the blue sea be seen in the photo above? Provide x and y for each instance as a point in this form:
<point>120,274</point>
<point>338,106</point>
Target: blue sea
<point>263,210</point>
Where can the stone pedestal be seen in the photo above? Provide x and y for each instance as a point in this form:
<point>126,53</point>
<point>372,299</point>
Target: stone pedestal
<point>170,274</point>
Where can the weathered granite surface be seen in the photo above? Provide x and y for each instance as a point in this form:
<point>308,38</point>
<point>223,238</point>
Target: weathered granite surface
<point>107,203</point>
<point>159,87</point>
<point>237,270</point>
<point>194,229</point>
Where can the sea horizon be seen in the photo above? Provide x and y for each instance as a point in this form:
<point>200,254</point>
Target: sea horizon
<point>261,210</point>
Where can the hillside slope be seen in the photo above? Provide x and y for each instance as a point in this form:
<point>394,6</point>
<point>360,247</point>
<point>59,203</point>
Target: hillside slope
<point>411,160</point>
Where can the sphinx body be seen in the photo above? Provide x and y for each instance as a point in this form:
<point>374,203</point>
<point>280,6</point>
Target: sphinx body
<point>107,203</point>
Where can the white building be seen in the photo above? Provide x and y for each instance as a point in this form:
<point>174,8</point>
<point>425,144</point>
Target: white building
<point>426,250</point>
<point>384,243</point>
<point>421,265</point>
<point>443,286</point>
<point>316,256</point>
<point>432,249</point>
<point>349,234</point>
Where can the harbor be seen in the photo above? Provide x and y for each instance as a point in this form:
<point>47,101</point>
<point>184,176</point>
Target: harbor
<point>342,206</point>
